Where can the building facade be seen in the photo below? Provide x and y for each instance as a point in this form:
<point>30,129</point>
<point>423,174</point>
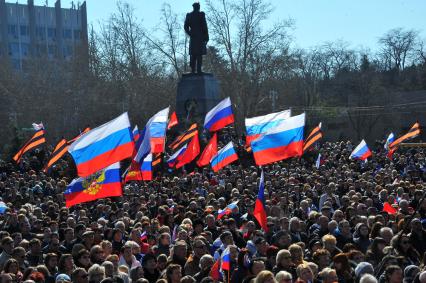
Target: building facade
<point>29,31</point>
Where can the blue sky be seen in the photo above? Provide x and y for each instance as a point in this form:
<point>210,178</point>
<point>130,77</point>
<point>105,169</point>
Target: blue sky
<point>359,22</point>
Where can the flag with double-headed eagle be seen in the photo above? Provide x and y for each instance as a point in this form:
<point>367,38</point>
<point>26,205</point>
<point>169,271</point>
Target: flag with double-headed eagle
<point>102,184</point>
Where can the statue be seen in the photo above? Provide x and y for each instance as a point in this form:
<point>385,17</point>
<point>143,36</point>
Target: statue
<point>196,27</point>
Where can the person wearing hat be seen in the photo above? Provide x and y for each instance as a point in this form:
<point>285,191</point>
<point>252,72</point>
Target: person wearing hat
<point>62,278</point>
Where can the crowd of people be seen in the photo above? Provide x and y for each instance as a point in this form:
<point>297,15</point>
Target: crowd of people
<point>325,224</point>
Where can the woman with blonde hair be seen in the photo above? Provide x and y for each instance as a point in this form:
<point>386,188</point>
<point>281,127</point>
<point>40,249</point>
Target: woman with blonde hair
<point>265,276</point>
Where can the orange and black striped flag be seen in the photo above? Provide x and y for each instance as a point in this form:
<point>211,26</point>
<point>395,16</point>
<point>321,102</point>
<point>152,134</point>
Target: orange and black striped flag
<point>156,159</point>
<point>412,133</point>
<point>79,135</point>
<point>60,149</point>
<point>37,139</point>
<point>183,138</point>
<point>313,137</point>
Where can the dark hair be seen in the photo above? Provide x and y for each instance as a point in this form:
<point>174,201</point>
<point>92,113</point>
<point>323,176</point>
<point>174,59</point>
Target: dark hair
<point>390,270</point>
<point>170,269</point>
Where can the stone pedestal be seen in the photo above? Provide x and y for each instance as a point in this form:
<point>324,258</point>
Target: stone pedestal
<point>196,95</point>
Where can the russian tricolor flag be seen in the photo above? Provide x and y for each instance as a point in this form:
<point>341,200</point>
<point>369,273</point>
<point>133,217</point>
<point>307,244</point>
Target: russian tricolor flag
<point>227,210</point>
<point>157,130</point>
<point>103,146</point>
<point>146,168</point>
<point>174,159</point>
<point>226,259</point>
<point>105,183</point>
<point>257,126</point>
<point>136,134</point>
<point>389,140</point>
<point>361,152</point>
<point>225,156</point>
<point>220,116</point>
<point>259,211</point>
<point>281,142</point>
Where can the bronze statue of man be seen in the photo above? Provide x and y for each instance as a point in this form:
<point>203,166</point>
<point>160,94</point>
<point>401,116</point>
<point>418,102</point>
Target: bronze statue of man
<point>196,27</point>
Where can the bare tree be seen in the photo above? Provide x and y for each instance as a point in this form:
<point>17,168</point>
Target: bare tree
<point>172,46</point>
<point>248,48</point>
<point>398,47</point>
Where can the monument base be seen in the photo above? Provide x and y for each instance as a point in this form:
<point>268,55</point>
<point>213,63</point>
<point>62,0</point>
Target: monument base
<point>196,95</point>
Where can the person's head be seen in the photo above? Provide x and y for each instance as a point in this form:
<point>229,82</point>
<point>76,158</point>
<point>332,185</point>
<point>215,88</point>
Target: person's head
<point>149,262</point>
<point>206,262</point>
<point>173,273</point>
<point>304,272</point>
<point>363,268</point>
<point>368,278</point>
<point>79,275</point>
<point>283,258</point>
<point>11,266</point>
<point>265,276</point>
<point>83,258</point>
<point>256,266</point>
<point>180,249</point>
<point>51,260</point>
<point>322,258</point>
<point>328,275</point>
<point>62,278</point>
<point>284,277</point>
<point>387,234</point>
<point>66,263</point>
<point>136,273</point>
<point>329,242</point>
<point>7,245</point>
<point>109,268</point>
<point>200,248</point>
<point>196,6</point>
<point>96,273</point>
<point>296,253</point>
<point>393,274</point>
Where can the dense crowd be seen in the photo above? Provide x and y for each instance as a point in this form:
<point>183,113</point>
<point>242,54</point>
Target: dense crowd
<point>324,225</point>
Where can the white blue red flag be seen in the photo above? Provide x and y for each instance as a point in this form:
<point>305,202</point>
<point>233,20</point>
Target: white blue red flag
<point>318,162</point>
<point>157,130</point>
<point>38,127</point>
<point>103,146</point>
<point>175,158</point>
<point>105,183</point>
<point>257,126</point>
<point>259,211</point>
<point>389,140</point>
<point>225,261</point>
<point>227,210</point>
<point>3,207</point>
<point>361,152</point>
<point>220,116</point>
<point>281,142</point>
<point>146,168</point>
<point>136,134</point>
<point>225,156</point>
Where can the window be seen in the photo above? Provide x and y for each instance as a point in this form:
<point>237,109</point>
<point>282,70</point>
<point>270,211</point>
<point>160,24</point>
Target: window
<point>40,33</point>
<point>25,49</point>
<point>25,31</point>
<point>51,33</point>
<point>67,33</point>
<point>13,49</point>
<point>52,49</point>
<point>77,34</point>
<point>11,30</point>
